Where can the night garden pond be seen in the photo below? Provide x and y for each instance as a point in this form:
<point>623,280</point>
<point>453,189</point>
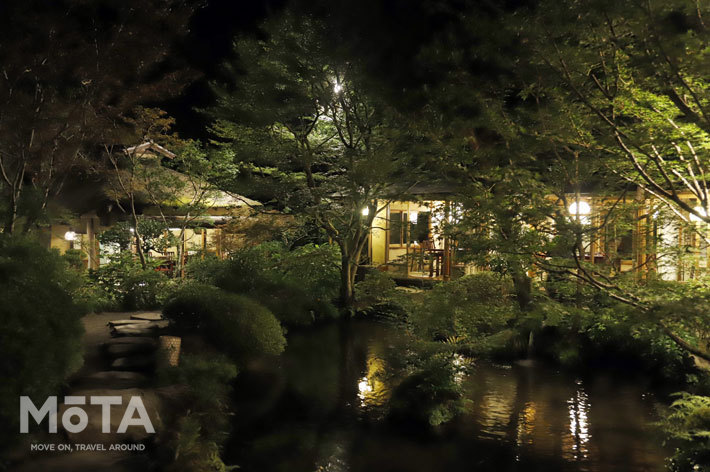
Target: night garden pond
<point>321,407</point>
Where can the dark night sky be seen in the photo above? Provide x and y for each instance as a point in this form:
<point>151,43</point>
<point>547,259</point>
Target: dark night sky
<point>385,34</point>
<point>209,43</point>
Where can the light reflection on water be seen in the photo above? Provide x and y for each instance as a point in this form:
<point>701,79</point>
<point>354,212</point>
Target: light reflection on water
<point>578,425</point>
<point>373,388</point>
<point>541,412</point>
<point>321,410</point>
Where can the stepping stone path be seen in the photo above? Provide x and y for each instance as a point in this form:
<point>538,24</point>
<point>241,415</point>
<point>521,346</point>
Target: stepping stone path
<point>147,316</point>
<point>127,360</point>
<point>136,327</point>
<point>113,379</point>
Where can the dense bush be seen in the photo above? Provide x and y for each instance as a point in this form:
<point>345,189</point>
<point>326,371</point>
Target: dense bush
<point>470,308</point>
<point>196,438</point>
<point>297,285</point>
<point>41,329</point>
<point>243,328</point>
<point>377,295</point>
<point>598,332</point>
<point>430,395</point>
<point>234,324</point>
<point>688,427</point>
<point>129,286</point>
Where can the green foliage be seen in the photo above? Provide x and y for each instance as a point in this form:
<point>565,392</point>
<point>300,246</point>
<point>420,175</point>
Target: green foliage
<point>154,235</point>
<point>687,425</point>
<point>245,328</point>
<point>377,295</point>
<point>118,236</point>
<point>192,452</point>
<point>234,324</point>
<point>297,285</point>
<point>191,307</point>
<point>205,270</point>
<point>200,434</point>
<point>128,285</point>
<point>605,333</point>
<point>41,329</point>
<point>302,115</point>
<point>470,308</point>
<point>430,395</point>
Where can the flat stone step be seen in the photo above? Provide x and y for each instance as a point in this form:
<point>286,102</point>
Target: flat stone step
<point>140,362</point>
<point>126,322</point>
<point>130,349</point>
<point>113,379</point>
<point>146,328</point>
<point>148,316</point>
<point>131,340</point>
<point>123,331</point>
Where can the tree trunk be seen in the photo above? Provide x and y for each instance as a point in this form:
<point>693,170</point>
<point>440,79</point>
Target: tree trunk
<point>349,260</point>
<point>523,288</point>
<point>348,269</point>
<point>11,219</point>
<point>139,242</point>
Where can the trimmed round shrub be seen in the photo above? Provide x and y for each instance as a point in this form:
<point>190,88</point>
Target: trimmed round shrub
<point>191,305</point>
<point>234,324</point>
<point>41,329</point>
<point>242,327</point>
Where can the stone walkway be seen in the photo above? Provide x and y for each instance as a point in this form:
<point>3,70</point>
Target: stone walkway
<point>120,356</point>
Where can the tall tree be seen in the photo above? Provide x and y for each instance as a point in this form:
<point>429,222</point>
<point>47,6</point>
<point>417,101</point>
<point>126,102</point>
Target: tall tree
<point>178,191</point>
<point>301,113</point>
<point>70,72</point>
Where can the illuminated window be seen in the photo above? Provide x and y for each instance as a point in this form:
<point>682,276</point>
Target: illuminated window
<point>398,223</point>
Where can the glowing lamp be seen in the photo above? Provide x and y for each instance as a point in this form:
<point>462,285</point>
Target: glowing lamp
<point>365,211</point>
<point>413,217</point>
<point>583,208</point>
<point>70,236</point>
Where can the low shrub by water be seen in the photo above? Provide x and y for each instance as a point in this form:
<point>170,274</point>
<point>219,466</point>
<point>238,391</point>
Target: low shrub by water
<point>234,324</point>
<point>297,285</point>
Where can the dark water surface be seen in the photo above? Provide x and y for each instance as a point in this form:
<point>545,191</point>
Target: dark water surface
<point>320,406</point>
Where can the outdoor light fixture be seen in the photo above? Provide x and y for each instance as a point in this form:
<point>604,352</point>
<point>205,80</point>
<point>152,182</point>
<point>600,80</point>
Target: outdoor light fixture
<point>365,211</point>
<point>584,208</point>
<point>337,88</point>
<point>70,236</point>
<point>413,217</point>
<point>700,211</point>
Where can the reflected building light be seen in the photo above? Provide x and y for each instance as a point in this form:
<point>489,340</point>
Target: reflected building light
<point>579,424</point>
<point>459,363</point>
<point>413,215</point>
<point>364,388</point>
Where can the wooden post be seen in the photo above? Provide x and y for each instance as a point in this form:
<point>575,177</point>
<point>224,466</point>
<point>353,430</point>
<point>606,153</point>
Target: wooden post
<point>406,234</point>
<point>639,241</point>
<point>446,260</point>
<point>218,242</point>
